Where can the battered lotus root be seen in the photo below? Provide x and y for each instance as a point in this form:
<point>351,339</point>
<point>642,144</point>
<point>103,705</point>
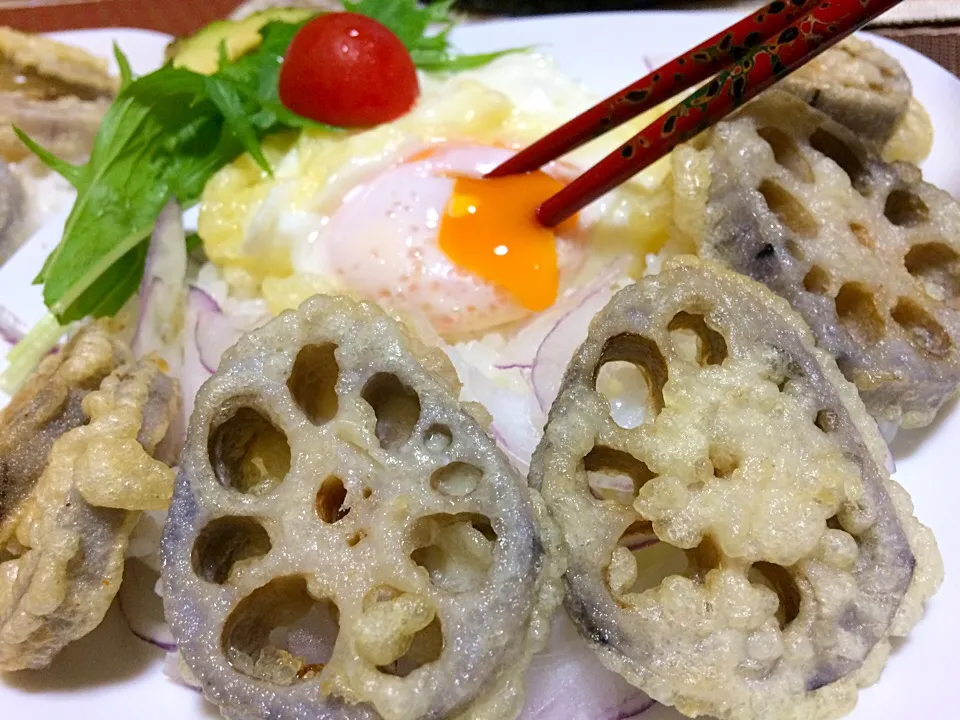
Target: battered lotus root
<point>857,84</point>
<point>344,540</point>
<point>76,470</point>
<point>761,557</point>
<point>866,252</point>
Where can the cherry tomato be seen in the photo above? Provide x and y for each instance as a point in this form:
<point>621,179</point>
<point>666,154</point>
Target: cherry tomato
<point>348,70</point>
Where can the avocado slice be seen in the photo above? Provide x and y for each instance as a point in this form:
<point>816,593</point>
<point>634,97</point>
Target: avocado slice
<point>201,52</point>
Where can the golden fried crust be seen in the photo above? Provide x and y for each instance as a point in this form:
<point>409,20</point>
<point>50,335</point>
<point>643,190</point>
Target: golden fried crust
<point>866,252</point>
<point>759,558</point>
<point>71,530</point>
<point>48,406</point>
<point>329,468</point>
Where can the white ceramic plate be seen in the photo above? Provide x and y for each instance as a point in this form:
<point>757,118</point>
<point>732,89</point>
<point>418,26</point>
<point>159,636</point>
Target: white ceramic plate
<point>111,674</point>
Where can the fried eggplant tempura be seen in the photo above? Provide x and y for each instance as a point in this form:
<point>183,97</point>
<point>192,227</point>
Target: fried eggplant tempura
<point>761,559</point>
<point>76,468</point>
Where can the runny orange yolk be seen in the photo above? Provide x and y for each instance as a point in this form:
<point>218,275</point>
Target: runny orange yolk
<point>490,228</point>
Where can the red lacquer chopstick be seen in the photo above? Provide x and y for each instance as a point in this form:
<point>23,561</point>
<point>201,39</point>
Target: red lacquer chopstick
<point>828,23</point>
<point>683,72</point>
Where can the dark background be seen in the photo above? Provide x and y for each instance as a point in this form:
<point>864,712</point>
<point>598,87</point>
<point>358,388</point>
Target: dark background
<point>182,17</point>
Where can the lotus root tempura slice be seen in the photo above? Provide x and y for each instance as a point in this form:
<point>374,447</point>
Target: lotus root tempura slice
<point>345,541</point>
<point>857,84</point>
<point>742,553</point>
<point>866,252</point>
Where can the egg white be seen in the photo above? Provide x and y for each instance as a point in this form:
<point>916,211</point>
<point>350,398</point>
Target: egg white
<point>325,221</point>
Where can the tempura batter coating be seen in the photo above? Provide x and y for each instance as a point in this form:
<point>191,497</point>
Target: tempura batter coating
<point>866,252</point>
<point>330,472</point>
<point>796,557</point>
<point>54,92</point>
<point>70,531</point>
<point>858,85</point>
<point>48,406</point>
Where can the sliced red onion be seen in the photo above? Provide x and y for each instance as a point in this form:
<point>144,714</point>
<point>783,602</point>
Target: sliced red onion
<point>213,332</point>
<point>889,462</point>
<point>209,332</point>
<point>159,322</point>
<point>144,544</point>
<point>635,708</point>
<point>514,366</point>
<point>638,541</point>
<point>311,638</point>
<point>11,329</point>
<point>888,431</point>
<point>567,682</point>
<point>570,331</point>
<point>605,481</point>
<point>517,420</point>
<point>142,608</point>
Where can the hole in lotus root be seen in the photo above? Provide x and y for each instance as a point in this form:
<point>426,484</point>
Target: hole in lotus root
<point>455,550</point>
<point>781,369</point>
<point>858,312</point>
<point>396,406</point>
<point>724,462</point>
<point>313,382</point>
<point>631,375</point>
<point>280,633</point>
<point>833,523</point>
<point>457,479</point>
<point>249,453</point>
<point>935,265</point>
<point>795,250</point>
<point>842,154</point>
<point>788,209</point>
<point>786,153</point>
<point>426,647</point>
<point>695,341</point>
<point>641,561</point>
<point>862,235</point>
<point>827,421</point>
<point>330,500</point>
<point>626,389</point>
<point>437,438</point>
<point>904,209</point>
<point>817,281</point>
<point>393,615</point>
<point>223,543</point>
<point>778,579</point>
<point>615,475</point>
<point>924,332</point>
